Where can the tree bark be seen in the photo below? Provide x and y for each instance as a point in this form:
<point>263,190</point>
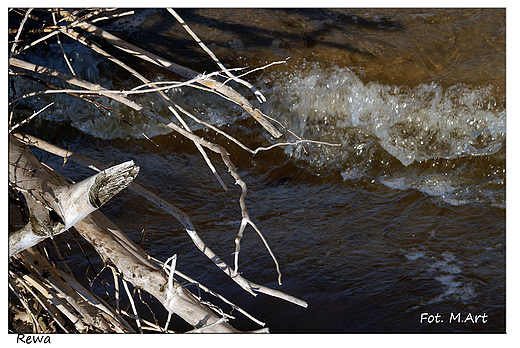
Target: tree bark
<point>54,204</point>
<point>133,265</point>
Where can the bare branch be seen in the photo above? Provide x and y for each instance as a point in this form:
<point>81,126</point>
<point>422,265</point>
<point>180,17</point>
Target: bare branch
<point>258,94</point>
<point>17,37</point>
<point>29,118</point>
<point>55,205</point>
<point>61,29</point>
<point>182,71</point>
<point>61,47</point>
<point>171,209</point>
<point>130,298</point>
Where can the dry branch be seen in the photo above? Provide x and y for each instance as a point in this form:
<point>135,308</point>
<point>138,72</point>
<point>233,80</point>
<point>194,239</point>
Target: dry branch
<point>169,103</point>
<point>247,285</point>
<point>261,98</point>
<point>194,138</point>
<point>77,304</point>
<point>116,250</point>
<point>55,205</point>
<point>133,265</point>
<point>184,72</point>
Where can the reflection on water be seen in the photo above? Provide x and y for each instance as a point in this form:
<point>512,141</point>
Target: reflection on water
<point>407,216</point>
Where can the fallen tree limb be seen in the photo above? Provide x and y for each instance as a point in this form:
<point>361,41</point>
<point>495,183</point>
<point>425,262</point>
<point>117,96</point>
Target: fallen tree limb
<point>184,72</point>
<point>50,192</point>
<point>133,265</point>
<point>194,138</point>
<point>54,204</point>
<point>118,252</point>
<point>247,285</point>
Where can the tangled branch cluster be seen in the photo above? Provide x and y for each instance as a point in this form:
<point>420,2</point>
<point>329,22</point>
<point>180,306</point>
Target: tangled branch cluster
<point>69,301</point>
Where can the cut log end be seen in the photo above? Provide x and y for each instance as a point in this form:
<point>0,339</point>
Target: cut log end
<point>111,181</point>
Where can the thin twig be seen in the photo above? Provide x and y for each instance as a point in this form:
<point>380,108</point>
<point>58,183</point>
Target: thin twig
<point>61,29</point>
<point>112,16</point>
<point>29,118</point>
<point>257,69</point>
<point>261,98</point>
<point>61,47</point>
<point>205,327</point>
<point>294,143</point>
<point>13,47</point>
<point>147,306</point>
<point>116,289</point>
<point>201,286</point>
<point>130,298</point>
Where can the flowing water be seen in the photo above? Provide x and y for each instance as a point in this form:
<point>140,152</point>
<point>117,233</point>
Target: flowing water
<point>406,217</point>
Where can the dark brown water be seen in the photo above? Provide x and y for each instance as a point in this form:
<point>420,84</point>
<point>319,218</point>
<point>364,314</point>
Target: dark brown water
<point>407,217</point>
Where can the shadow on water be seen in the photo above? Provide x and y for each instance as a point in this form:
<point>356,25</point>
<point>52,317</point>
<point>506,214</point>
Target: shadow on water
<point>398,46</point>
<point>322,20</point>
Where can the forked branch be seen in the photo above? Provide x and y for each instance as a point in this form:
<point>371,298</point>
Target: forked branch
<point>55,205</point>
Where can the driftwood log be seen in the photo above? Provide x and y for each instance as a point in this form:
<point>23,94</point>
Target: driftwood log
<point>54,204</point>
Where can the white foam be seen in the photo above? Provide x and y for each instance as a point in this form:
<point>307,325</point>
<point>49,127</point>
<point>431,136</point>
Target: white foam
<point>428,123</point>
<point>446,272</point>
<point>414,255</point>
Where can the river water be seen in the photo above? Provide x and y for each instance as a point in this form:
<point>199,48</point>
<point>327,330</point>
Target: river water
<point>406,217</point>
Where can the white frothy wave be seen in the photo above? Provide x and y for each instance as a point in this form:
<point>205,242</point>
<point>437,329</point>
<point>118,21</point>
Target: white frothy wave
<point>421,127</point>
